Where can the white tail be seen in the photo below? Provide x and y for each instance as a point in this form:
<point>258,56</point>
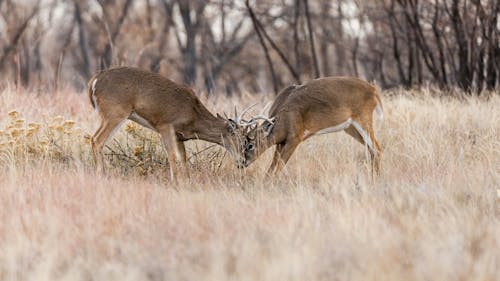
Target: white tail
<point>380,112</point>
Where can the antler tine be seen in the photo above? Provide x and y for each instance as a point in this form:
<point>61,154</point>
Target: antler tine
<point>262,117</point>
<point>240,118</point>
<point>245,123</point>
<point>235,115</point>
<point>263,111</point>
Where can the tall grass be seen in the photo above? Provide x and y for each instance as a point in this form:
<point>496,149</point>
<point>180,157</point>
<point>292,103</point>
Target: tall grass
<point>433,214</point>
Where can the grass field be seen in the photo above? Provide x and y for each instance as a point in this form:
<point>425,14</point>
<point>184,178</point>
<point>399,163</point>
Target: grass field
<point>433,214</point>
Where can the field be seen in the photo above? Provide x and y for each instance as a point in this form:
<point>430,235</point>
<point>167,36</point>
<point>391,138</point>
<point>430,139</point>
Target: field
<point>433,214</point>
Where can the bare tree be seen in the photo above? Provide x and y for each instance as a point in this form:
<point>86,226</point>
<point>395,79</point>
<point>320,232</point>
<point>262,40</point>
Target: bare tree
<point>264,47</point>
<point>213,44</point>
<point>112,28</point>
<point>220,52</point>
<point>17,25</point>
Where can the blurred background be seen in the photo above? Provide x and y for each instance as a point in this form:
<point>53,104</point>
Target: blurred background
<point>224,47</point>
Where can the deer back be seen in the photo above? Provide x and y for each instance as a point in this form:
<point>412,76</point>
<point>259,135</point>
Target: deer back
<point>148,94</point>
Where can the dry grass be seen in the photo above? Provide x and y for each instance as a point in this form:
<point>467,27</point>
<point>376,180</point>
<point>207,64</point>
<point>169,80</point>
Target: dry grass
<point>432,215</point>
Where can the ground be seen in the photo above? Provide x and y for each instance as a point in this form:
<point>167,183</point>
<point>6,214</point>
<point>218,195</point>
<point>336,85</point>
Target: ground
<point>432,214</point>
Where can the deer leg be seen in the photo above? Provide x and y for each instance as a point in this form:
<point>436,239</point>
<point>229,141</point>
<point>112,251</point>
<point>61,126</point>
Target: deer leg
<point>181,149</point>
<point>170,141</point>
<point>363,132</point>
<point>105,131</point>
<point>284,153</point>
<point>95,157</point>
<point>276,158</point>
<point>376,153</point>
<point>354,133</point>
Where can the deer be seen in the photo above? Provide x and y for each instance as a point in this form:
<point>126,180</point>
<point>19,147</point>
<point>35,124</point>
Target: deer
<point>155,102</point>
<point>321,106</point>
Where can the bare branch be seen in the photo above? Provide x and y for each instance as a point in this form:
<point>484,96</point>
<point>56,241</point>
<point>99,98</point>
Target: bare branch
<point>12,45</point>
<point>264,47</point>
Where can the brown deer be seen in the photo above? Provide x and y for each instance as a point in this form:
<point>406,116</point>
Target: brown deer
<point>321,106</point>
<point>162,105</point>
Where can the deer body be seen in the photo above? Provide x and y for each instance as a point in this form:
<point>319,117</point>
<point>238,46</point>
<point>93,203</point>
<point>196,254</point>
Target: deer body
<point>321,106</point>
<point>158,103</point>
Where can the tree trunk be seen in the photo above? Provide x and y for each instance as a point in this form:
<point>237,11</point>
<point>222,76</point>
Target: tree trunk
<point>296,36</point>
<point>464,74</point>
<point>311,40</point>
<point>274,80</point>
<point>82,42</point>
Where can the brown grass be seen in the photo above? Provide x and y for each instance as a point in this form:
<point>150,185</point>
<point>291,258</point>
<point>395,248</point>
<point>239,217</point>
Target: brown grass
<point>432,215</point>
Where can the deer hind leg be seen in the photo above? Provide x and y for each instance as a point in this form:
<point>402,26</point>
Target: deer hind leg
<point>93,143</point>
<point>378,152</point>
<point>363,132</point>
<point>354,133</point>
<point>105,131</point>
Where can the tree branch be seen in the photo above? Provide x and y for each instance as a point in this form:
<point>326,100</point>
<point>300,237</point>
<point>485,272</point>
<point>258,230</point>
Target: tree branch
<point>264,47</point>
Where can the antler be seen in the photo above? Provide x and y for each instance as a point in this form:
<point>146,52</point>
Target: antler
<point>246,110</point>
<point>238,119</point>
<point>263,111</point>
<point>262,117</point>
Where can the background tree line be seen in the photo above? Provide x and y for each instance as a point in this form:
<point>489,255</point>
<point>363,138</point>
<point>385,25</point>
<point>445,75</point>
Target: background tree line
<point>225,46</point>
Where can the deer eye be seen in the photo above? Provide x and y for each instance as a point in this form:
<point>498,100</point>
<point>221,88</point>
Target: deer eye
<point>250,146</point>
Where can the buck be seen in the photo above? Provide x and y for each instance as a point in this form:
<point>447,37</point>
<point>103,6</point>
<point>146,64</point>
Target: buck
<point>321,106</point>
<point>162,105</point>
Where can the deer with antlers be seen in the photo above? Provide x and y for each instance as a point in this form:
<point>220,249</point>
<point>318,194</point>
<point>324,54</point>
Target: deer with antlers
<point>321,106</point>
<point>162,105</point>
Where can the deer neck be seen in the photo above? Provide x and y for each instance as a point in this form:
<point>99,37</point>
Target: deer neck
<point>264,142</point>
<point>210,128</point>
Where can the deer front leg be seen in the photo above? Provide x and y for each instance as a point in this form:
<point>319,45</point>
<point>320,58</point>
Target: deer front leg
<point>276,157</point>
<point>181,149</point>
<point>173,151</point>
<point>282,154</point>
